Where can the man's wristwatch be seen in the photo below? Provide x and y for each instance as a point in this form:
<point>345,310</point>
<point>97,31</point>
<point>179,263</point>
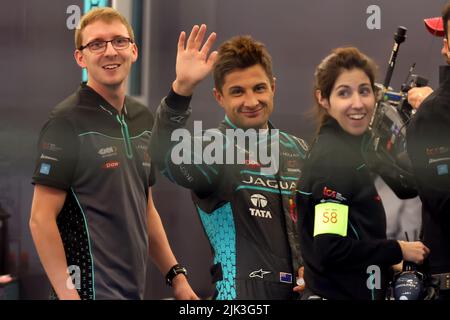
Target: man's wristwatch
<point>175,270</point>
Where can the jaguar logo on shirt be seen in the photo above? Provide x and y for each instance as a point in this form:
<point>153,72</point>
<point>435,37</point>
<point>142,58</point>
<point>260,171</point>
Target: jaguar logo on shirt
<point>270,183</point>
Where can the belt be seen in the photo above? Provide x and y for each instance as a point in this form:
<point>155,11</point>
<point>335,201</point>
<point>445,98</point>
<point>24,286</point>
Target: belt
<point>444,280</point>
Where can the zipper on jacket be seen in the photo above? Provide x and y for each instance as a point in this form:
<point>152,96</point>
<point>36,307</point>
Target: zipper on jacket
<point>126,136</point>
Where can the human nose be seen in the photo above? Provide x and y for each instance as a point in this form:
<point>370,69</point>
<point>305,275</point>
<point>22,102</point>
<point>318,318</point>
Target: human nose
<point>109,49</point>
<point>250,100</point>
<point>357,101</point>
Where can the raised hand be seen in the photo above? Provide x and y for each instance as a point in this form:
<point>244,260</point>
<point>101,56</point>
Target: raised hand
<point>194,62</point>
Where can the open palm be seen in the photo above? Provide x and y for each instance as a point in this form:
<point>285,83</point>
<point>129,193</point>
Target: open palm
<point>194,62</point>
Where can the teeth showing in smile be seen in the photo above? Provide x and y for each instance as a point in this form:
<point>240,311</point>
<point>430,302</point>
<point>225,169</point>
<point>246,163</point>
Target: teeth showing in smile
<point>111,66</point>
<point>358,116</point>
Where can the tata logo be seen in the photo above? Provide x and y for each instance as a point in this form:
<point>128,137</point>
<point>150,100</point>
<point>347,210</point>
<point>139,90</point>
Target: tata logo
<point>260,202</point>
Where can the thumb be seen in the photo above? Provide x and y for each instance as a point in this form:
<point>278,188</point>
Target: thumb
<point>212,58</point>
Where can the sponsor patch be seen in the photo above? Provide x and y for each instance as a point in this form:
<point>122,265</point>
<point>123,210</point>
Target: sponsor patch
<point>45,169</point>
<point>328,193</point>
<point>252,164</point>
<point>107,152</point>
<point>260,202</point>
<point>111,165</point>
<point>285,277</point>
<point>436,151</point>
<point>50,146</point>
<point>259,273</point>
<point>442,169</point>
<point>331,218</point>
<point>45,157</point>
<point>177,119</point>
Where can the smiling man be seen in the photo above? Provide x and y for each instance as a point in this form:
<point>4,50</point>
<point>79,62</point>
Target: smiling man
<point>93,219</point>
<point>245,211</point>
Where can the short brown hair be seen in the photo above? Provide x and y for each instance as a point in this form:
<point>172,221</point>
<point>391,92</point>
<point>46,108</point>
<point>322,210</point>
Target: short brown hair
<point>327,72</point>
<point>105,14</point>
<point>240,52</point>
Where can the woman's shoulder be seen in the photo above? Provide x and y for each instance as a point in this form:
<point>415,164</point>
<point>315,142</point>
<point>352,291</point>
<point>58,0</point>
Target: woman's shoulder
<point>328,143</point>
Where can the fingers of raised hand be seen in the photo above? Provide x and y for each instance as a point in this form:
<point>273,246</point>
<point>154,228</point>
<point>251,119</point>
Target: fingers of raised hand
<point>192,36</point>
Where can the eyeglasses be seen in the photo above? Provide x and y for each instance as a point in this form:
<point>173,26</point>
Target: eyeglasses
<point>99,46</point>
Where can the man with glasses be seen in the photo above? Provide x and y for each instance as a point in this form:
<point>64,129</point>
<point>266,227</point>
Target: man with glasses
<point>93,219</point>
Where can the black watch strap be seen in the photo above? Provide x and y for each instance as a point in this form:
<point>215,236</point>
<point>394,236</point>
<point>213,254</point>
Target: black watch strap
<point>175,270</point>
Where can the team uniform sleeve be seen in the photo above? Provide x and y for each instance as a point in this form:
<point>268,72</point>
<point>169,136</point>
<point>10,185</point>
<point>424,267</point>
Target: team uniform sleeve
<point>428,145</point>
<point>196,175</point>
<point>57,154</point>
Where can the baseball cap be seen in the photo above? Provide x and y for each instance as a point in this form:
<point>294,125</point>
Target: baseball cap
<point>435,26</point>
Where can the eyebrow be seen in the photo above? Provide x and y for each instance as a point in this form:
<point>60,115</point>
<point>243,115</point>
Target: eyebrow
<point>241,87</point>
<point>103,39</point>
<point>347,86</point>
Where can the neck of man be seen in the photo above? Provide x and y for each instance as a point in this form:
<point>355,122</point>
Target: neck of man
<point>114,95</point>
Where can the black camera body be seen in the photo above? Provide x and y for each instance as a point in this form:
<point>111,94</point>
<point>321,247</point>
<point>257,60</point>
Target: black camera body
<point>385,151</point>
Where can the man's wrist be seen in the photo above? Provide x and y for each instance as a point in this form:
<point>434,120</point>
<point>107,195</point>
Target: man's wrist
<point>174,273</point>
<point>183,89</point>
<point>177,102</point>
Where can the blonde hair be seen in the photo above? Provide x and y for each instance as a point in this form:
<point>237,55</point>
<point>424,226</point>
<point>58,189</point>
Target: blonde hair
<point>107,15</point>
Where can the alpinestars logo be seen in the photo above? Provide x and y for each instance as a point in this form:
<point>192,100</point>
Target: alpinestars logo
<point>260,202</point>
<point>259,273</point>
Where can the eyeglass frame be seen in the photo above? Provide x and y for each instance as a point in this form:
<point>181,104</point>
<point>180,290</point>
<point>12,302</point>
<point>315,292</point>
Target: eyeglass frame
<point>130,41</point>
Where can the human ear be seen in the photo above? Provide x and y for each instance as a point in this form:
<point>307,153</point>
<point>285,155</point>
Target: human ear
<point>218,96</point>
<point>323,102</point>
